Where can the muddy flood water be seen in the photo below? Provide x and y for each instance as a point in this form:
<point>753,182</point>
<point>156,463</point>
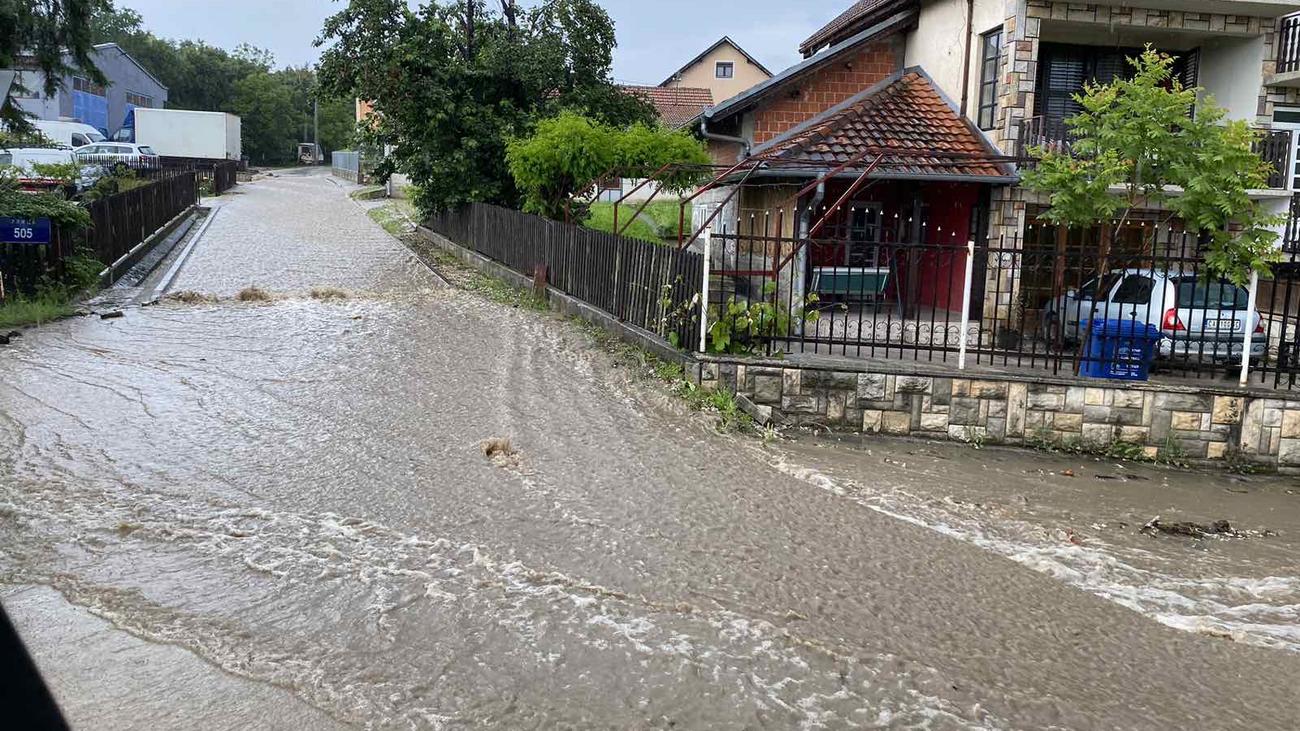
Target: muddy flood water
<point>294,492</point>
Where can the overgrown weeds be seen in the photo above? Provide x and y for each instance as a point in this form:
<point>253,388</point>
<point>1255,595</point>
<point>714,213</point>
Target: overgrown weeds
<point>53,299</point>
<point>1171,454</point>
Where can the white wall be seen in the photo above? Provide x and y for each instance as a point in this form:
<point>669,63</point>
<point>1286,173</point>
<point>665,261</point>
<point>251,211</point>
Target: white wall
<point>939,41</point>
<point>37,104</point>
<point>1230,70</point>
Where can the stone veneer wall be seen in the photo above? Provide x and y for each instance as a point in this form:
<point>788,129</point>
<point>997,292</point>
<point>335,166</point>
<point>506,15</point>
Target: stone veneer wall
<point>1202,424</point>
<point>1018,79</point>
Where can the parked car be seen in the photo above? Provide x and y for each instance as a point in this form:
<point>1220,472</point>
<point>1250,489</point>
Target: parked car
<point>127,154</point>
<point>1202,318</point>
<point>25,160</point>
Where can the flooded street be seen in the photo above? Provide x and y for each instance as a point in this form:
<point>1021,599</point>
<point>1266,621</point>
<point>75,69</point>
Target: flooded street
<point>292,492</point>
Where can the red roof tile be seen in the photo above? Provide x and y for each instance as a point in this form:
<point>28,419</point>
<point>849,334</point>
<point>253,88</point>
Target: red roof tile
<point>676,105</point>
<point>850,19</point>
<point>906,119</point>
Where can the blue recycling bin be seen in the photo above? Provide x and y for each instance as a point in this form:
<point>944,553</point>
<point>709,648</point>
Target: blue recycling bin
<point>1120,350</point>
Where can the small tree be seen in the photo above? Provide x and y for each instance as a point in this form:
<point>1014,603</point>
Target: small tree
<point>1149,139</point>
<point>569,152</point>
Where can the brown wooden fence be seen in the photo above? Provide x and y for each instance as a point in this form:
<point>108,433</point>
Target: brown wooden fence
<point>651,286</point>
<point>218,176</point>
<point>120,222</point>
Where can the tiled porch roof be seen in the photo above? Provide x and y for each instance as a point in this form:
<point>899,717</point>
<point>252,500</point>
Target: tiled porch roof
<point>676,105</point>
<point>906,118</point>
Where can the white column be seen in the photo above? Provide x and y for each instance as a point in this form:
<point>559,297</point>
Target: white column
<point>704,287</point>
<point>965,304</point>
<point>1249,333</point>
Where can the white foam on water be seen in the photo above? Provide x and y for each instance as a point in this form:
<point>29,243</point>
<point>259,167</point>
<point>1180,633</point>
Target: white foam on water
<point>380,574</point>
<point>1227,606</point>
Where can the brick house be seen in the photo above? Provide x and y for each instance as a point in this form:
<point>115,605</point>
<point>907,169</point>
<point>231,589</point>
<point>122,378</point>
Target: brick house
<point>1007,70</point>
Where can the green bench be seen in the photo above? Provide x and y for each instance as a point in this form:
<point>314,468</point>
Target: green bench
<point>860,283</point>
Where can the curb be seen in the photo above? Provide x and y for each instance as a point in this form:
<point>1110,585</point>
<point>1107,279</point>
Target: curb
<point>113,272</point>
<point>170,277</point>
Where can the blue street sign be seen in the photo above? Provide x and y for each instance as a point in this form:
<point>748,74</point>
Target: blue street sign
<point>25,230</point>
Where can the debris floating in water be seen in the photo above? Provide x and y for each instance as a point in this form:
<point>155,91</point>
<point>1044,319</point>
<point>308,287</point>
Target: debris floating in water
<point>253,294</point>
<point>190,297</point>
<point>500,451</point>
<point>1188,528</point>
<point>328,293</point>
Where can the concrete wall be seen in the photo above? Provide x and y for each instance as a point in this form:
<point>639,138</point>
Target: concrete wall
<point>1229,69</point>
<point>124,76</point>
<point>703,74</point>
<point>892,398</point>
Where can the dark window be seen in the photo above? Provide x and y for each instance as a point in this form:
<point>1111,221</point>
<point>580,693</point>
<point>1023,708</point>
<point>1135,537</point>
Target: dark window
<point>1194,292</point>
<point>1136,290</point>
<point>1089,289</point>
<point>990,54</point>
<point>725,69</point>
<point>1063,69</point>
<point>82,84</point>
<point>138,100</point>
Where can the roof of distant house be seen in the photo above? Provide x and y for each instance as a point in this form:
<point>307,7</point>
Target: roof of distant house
<point>109,46</point>
<point>857,16</point>
<point>916,128</point>
<point>677,106</point>
<point>710,49</point>
<point>762,90</point>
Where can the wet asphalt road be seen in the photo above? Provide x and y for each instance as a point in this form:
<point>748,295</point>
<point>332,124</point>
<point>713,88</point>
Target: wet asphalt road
<point>293,492</point>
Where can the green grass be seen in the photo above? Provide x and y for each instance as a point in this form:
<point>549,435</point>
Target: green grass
<point>25,311</point>
<point>393,217</point>
<point>657,223</point>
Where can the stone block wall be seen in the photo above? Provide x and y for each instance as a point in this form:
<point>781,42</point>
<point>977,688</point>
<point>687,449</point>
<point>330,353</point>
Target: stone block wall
<point>1168,421</point>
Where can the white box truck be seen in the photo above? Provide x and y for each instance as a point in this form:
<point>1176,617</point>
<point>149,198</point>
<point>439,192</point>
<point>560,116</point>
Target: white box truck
<point>185,133</point>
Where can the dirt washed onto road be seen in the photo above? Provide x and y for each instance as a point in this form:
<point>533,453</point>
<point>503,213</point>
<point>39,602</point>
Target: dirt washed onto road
<point>297,491</point>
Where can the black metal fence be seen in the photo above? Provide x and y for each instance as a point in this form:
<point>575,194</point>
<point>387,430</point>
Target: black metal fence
<point>862,292</point>
<point>1054,134</point>
<point>651,286</point>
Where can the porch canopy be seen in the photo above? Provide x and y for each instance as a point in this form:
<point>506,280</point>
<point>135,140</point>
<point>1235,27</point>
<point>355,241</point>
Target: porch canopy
<point>913,128</point>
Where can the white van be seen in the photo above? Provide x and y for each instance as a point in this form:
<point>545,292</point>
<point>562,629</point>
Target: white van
<point>68,134</point>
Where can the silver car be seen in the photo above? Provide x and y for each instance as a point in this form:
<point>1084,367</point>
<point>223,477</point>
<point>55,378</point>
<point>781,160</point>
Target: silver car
<point>1201,318</point>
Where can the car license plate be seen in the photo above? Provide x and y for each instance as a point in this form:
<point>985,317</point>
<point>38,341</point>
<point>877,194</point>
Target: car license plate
<point>1224,324</point>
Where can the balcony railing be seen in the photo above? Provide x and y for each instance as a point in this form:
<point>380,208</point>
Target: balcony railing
<point>1051,133</point>
<point>1288,44</point>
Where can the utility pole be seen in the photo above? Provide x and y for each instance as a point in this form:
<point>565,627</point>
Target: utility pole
<point>315,127</point>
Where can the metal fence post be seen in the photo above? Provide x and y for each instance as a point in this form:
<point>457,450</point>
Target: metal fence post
<point>965,304</point>
<point>704,287</point>
<point>1249,331</point>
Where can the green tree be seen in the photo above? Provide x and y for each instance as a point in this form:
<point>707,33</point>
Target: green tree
<point>567,154</point>
<point>453,82</point>
<point>53,37</point>
<point>268,118</point>
<point>1148,138</point>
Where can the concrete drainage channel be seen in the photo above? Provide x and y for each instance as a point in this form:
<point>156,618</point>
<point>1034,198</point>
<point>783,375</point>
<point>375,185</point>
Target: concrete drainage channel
<point>143,275</point>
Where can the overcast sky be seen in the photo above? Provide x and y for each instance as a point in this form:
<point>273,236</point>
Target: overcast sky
<point>655,37</point>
